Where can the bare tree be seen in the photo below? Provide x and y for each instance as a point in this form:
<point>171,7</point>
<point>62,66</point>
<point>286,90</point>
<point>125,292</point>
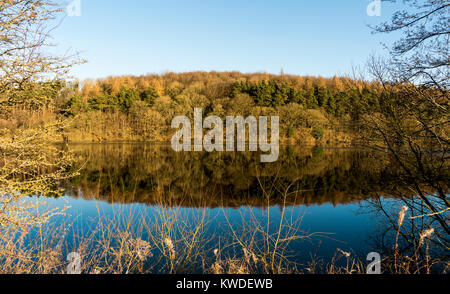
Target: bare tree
<point>29,163</point>
<point>422,54</point>
<point>25,27</point>
<point>413,122</point>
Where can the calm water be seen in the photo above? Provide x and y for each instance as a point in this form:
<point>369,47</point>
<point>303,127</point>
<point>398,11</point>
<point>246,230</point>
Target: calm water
<point>324,192</point>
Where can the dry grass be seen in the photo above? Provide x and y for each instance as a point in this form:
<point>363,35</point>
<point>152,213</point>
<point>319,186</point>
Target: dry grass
<point>171,242</point>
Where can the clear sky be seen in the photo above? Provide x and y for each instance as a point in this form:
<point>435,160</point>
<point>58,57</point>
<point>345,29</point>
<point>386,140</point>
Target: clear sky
<point>320,37</point>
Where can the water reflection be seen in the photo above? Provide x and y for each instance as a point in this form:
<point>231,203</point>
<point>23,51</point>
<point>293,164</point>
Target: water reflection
<point>153,174</point>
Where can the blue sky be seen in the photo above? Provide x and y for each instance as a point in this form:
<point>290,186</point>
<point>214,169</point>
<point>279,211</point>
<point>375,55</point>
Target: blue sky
<point>303,37</point>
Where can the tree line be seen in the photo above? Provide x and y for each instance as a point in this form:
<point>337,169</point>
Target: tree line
<point>336,96</point>
<point>135,108</point>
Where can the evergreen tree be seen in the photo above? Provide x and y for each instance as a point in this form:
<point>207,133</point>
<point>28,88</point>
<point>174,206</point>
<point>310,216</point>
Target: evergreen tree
<point>126,97</point>
<point>149,96</point>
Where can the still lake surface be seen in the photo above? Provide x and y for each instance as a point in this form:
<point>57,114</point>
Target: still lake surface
<point>326,192</point>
